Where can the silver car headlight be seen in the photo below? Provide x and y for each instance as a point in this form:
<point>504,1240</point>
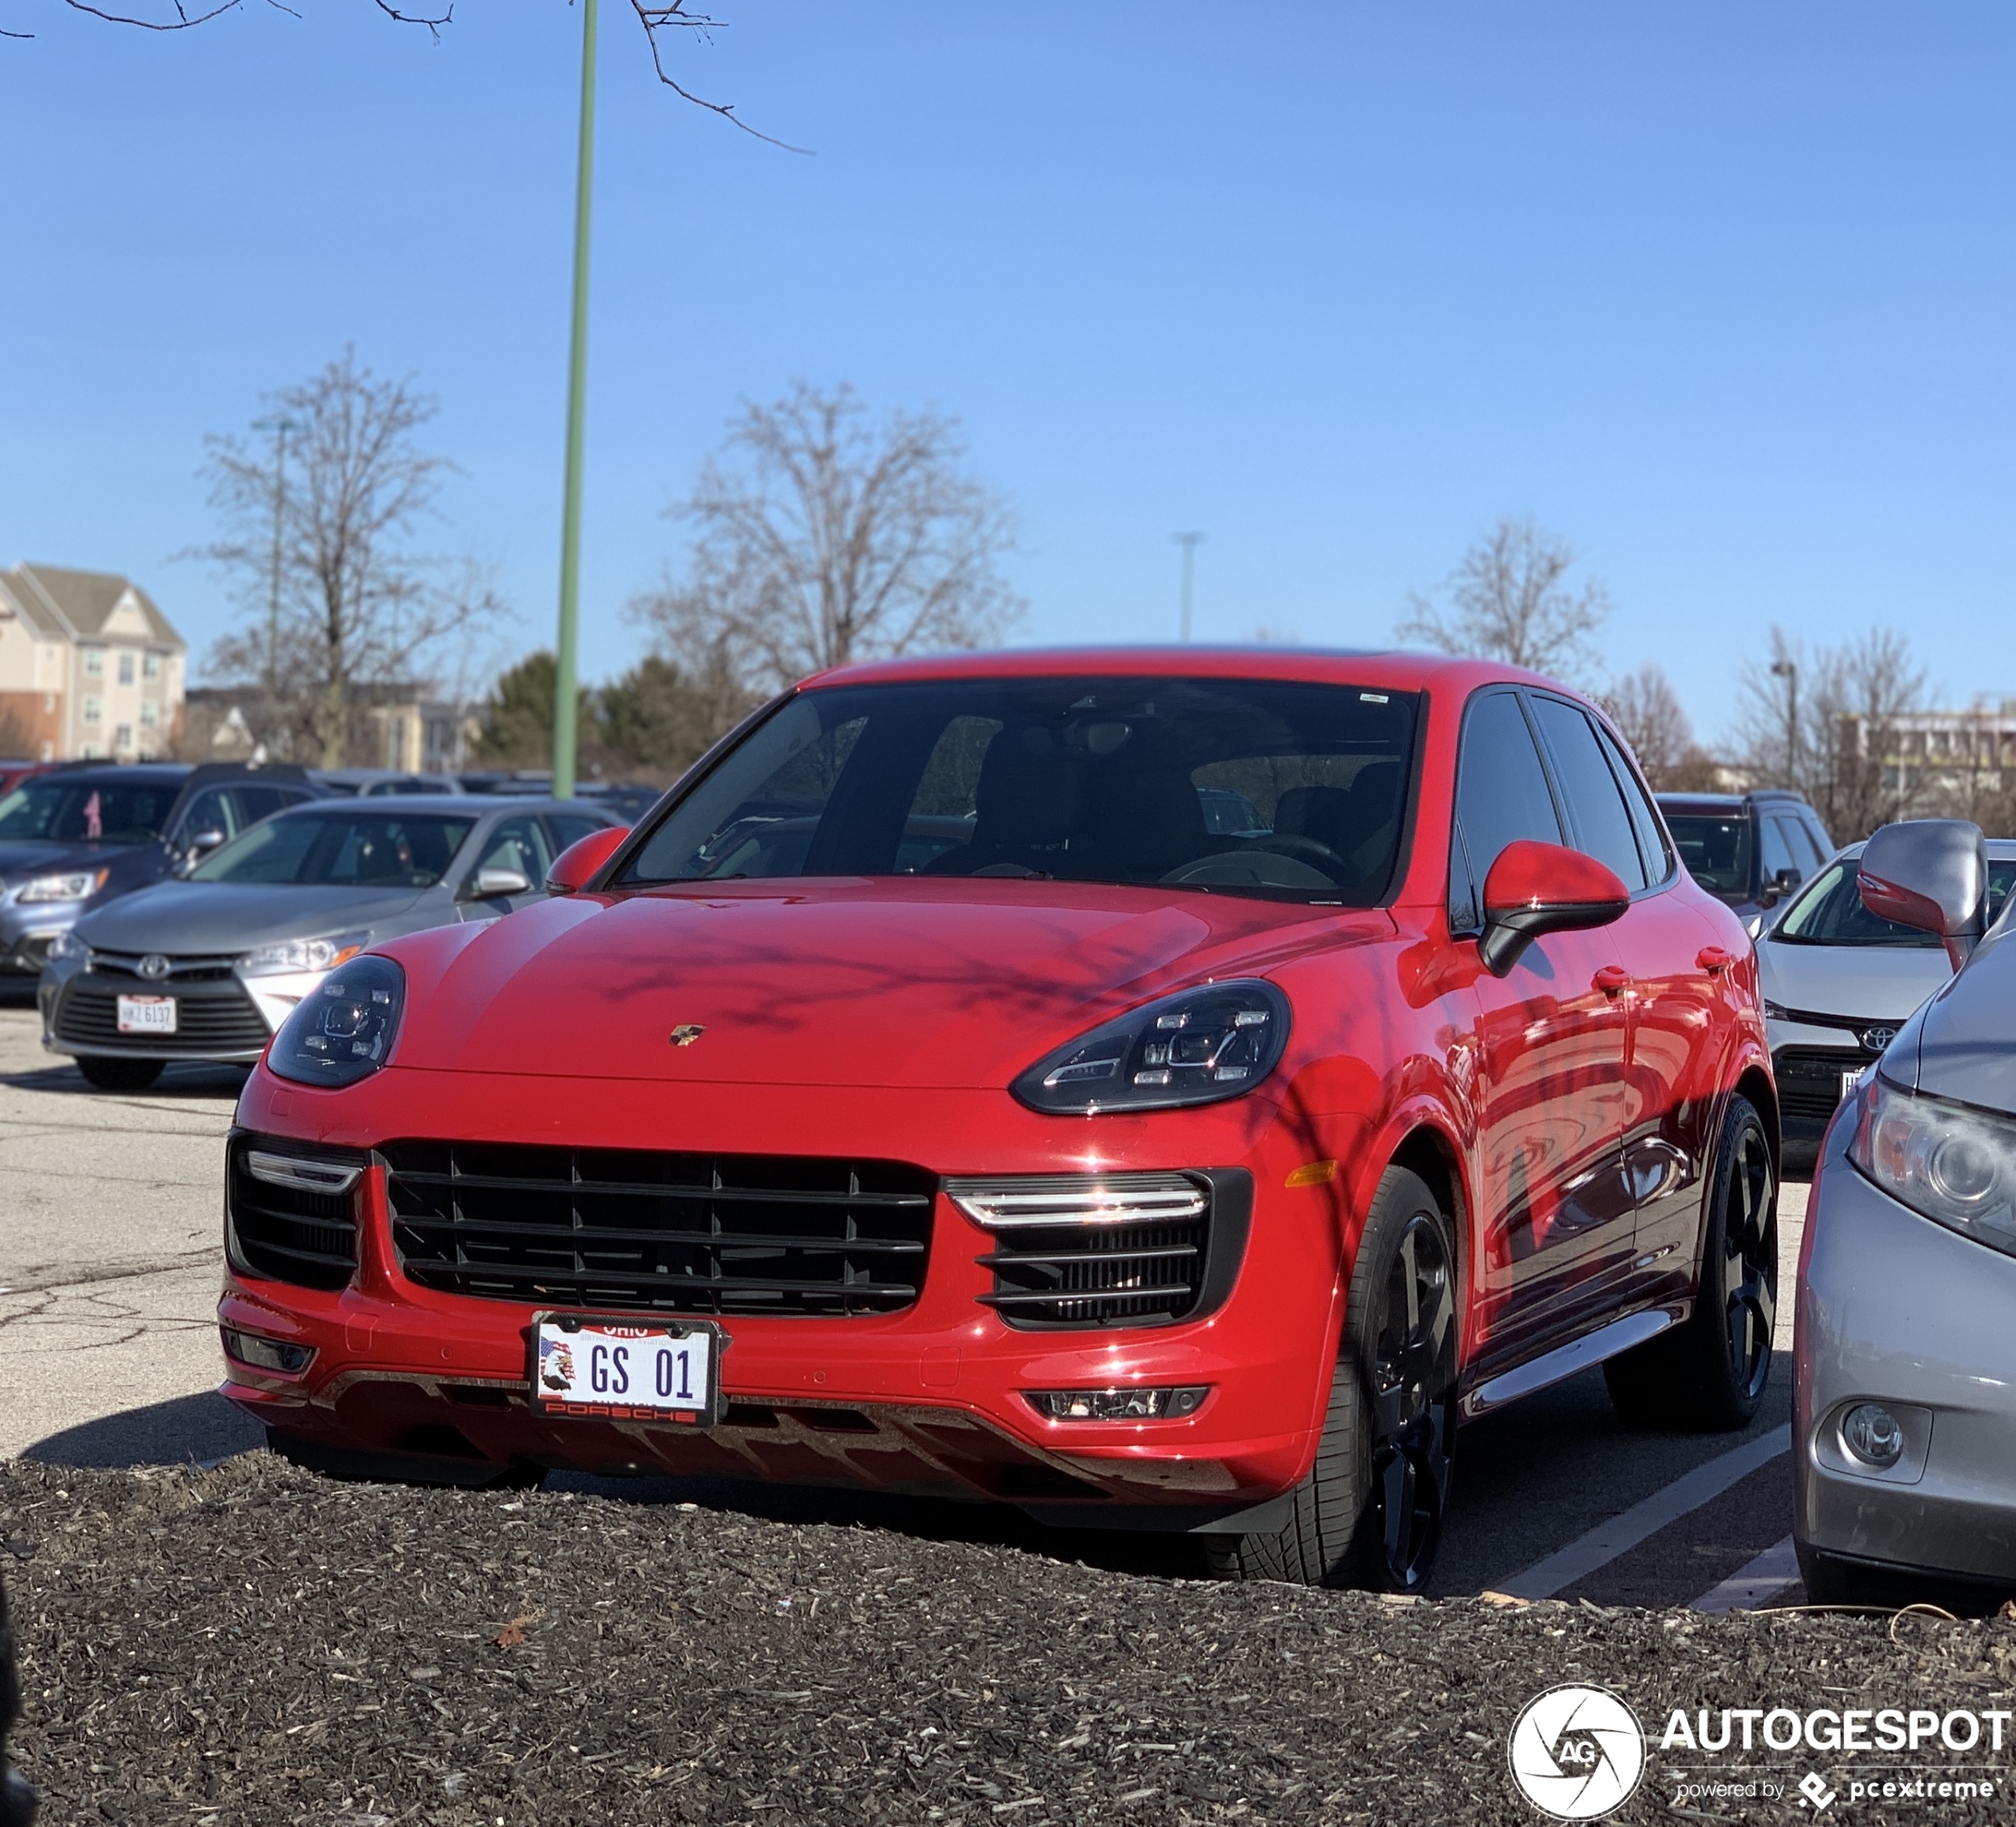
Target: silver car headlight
<point>292,955</point>
<point>71,885</point>
<point>68,945</point>
<point>342,1030</point>
<point>1950,1163</point>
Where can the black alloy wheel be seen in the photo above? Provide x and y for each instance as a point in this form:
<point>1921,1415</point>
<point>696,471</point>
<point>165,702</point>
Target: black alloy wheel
<point>1749,1263</point>
<point>1413,1379</point>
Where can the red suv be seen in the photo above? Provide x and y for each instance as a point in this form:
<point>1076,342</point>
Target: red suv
<point>1164,1090</point>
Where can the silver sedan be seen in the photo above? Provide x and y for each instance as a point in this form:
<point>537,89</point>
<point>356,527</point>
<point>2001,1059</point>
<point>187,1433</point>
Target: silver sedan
<point>208,967</point>
<point>1905,1357</point>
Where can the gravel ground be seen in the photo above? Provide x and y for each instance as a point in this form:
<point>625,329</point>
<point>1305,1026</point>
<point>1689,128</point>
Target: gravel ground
<point>254,1644</point>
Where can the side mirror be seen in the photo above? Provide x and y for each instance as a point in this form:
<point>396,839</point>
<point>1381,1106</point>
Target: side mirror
<point>489,883</point>
<point>577,865</point>
<point>204,841</point>
<point>1932,875</point>
<point>1536,888</point>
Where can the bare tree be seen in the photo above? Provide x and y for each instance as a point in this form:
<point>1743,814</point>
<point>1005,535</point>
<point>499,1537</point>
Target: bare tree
<point>1510,600</point>
<point>822,539</point>
<point>1649,716</point>
<point>339,606</point>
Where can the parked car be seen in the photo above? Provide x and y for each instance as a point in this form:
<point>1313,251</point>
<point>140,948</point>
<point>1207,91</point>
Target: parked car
<point>80,836</point>
<point>1905,1421</point>
<point>1104,1164</point>
<point>366,782</point>
<point>1838,983</point>
<point>1748,850</point>
<point>625,801</point>
<point>208,967</point>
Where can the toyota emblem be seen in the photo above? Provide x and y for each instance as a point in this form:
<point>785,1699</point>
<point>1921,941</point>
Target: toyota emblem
<point>153,967</point>
<point>1876,1040</point>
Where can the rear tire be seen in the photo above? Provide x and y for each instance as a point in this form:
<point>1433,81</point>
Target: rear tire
<point>1710,1374</point>
<point>113,1074</point>
<point>1371,1514</point>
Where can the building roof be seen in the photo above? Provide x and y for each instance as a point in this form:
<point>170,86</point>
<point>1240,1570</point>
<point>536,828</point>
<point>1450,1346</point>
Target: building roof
<point>84,605</point>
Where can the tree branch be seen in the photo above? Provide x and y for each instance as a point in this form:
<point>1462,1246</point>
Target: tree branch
<point>654,20</point>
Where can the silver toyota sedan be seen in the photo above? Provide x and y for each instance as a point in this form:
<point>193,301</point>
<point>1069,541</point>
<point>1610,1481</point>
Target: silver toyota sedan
<point>1904,1354</point>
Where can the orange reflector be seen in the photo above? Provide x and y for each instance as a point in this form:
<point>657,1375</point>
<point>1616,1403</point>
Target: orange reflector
<point>1314,1174</point>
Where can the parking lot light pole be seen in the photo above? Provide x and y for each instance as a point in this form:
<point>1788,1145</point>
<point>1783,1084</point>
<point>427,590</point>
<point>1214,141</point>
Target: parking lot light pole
<point>1789,671</point>
<point>280,428</point>
<point>564,733</point>
<point>1189,542</point>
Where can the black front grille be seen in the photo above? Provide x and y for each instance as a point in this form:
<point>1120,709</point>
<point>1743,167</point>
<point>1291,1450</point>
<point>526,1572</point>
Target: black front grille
<point>1809,1079</point>
<point>1124,1249</point>
<point>88,1016</point>
<point>125,964</point>
<point>286,1232</point>
<point>686,1234</point>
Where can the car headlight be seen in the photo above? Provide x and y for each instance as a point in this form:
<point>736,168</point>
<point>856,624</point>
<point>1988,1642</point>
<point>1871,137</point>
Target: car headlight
<point>1949,1163</point>
<point>1196,1047</point>
<point>67,945</point>
<point>290,955</point>
<point>342,1030</point>
<point>71,885</point>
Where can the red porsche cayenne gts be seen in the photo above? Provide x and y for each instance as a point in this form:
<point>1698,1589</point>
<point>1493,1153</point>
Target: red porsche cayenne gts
<point>1160,1090</point>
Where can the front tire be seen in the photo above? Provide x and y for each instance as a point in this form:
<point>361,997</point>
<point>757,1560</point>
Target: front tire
<point>113,1074</point>
<point>1371,1514</point>
<point>1710,1374</point>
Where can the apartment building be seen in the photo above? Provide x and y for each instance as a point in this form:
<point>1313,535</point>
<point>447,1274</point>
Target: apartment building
<point>89,666</point>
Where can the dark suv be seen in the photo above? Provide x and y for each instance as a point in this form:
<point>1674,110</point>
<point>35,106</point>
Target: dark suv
<point>1749,849</point>
<point>84,834</point>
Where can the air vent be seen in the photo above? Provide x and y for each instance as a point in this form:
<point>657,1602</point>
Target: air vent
<point>292,1214</point>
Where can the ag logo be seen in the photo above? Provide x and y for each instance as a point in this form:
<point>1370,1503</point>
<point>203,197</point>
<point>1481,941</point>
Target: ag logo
<point>1577,1752</point>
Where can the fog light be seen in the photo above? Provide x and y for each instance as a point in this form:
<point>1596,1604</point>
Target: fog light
<point>1872,1434</point>
<point>1117,1404</point>
<point>266,1354</point>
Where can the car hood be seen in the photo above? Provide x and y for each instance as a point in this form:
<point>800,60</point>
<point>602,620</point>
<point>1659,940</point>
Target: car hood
<point>1966,1037</point>
<point>862,985</point>
<point>193,917</point>
<point>18,861</point>
<point>1858,983</point>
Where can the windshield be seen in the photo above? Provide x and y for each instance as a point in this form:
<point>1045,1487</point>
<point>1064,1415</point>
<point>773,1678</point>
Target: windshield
<point>86,811</point>
<point>1831,913</point>
<point>1715,850</point>
<point>1248,787</point>
<point>356,846</point>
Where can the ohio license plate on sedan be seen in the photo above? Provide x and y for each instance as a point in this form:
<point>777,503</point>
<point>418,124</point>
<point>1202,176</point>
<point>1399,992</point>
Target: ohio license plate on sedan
<point>605,1368</point>
<point>147,1014</point>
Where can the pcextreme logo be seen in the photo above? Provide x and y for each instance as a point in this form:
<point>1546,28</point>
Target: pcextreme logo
<point>1577,1752</point>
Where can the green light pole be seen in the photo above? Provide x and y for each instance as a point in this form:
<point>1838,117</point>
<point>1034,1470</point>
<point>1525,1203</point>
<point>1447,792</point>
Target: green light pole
<point>577,379</point>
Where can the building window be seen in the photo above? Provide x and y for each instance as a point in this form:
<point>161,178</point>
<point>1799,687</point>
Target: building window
<point>95,661</point>
<point>92,711</point>
<point>122,739</point>
<point>151,666</point>
<point>150,712</point>
<point>126,668</point>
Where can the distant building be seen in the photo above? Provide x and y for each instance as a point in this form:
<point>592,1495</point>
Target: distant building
<point>397,725</point>
<point>89,666</point>
<point>1960,753</point>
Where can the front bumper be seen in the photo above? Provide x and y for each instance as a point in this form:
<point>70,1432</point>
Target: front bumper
<point>26,933</point>
<point>929,1399</point>
<point>222,1019</point>
<point>1894,1309</point>
<point>1810,1066</point>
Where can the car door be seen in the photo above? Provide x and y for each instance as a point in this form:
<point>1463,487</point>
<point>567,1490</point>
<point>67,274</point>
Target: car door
<point>517,843</point>
<point>1549,1051</point>
<point>1673,1039</point>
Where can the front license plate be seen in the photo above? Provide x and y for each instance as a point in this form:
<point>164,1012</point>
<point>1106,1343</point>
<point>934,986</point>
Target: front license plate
<point>603,1368</point>
<point>147,1014</point>
<point>1848,1080</point>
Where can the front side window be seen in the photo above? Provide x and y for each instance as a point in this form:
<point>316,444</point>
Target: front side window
<point>1501,796</point>
<point>1715,849</point>
<point>1830,912</point>
<point>1273,788</point>
<point>350,848</point>
<point>1776,850</point>
<point>78,812</point>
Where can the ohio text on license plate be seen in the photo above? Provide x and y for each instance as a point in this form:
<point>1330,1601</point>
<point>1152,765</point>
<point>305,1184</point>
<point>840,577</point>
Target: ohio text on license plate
<point>633,1368</point>
<point>147,1014</point>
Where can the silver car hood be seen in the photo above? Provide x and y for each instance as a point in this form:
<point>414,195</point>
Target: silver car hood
<point>190,919</point>
<point>1857,982</point>
<point>1966,1035</point>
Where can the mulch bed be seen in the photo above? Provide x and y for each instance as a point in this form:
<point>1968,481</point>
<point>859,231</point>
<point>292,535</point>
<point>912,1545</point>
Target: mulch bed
<point>254,1645</point>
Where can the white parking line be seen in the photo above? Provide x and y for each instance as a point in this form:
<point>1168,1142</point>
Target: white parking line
<point>1605,1542</point>
<point>1756,1583</point>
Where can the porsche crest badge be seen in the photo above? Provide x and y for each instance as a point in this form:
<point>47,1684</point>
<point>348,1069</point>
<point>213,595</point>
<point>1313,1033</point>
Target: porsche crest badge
<point>686,1033</point>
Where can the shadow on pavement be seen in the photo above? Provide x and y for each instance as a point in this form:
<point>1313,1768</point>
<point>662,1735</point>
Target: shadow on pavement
<point>193,1079</point>
<point>189,1428</point>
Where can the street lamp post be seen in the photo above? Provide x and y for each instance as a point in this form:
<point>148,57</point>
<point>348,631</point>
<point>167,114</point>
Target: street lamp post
<point>564,733</point>
<point>280,428</point>
<point>1189,542</point>
<point>1789,671</point>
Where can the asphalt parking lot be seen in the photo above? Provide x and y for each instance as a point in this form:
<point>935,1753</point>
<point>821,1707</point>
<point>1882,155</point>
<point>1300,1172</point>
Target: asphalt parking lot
<point>108,1272</point>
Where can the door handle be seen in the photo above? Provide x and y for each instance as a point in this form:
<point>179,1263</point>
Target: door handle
<point>1613,980</point>
<point>1713,960</point>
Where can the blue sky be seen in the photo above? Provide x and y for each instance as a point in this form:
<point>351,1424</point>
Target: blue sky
<point>1722,294</point>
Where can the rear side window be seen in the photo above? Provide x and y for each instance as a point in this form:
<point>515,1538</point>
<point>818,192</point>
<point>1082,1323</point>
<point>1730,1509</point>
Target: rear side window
<point>1500,796</point>
<point>1644,820</point>
<point>1595,805</point>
